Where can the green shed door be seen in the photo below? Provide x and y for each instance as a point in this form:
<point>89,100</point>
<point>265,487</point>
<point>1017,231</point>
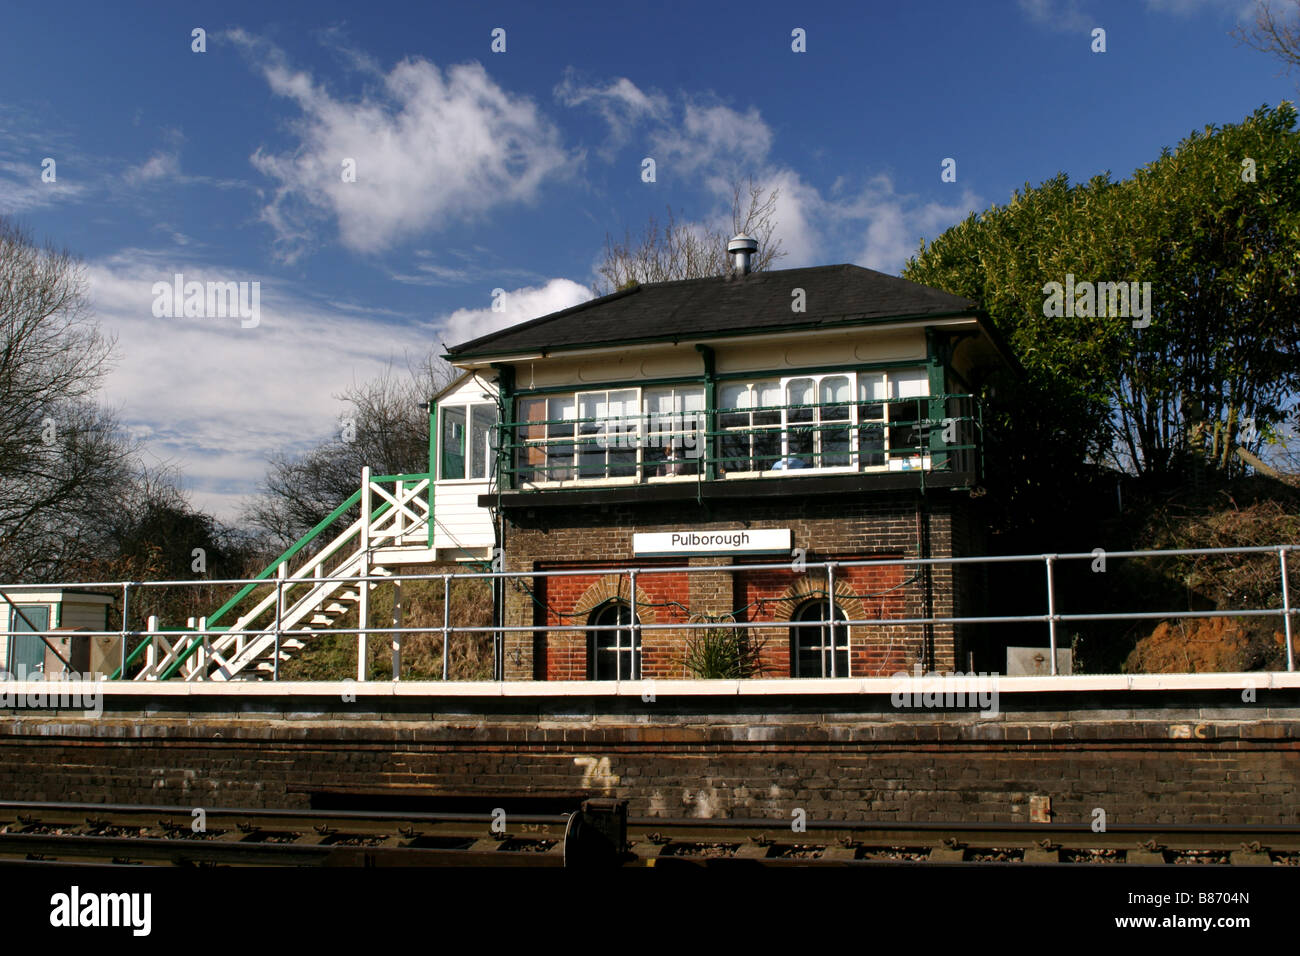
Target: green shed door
<point>27,654</point>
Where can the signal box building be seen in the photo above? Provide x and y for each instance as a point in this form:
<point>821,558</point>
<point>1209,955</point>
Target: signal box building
<point>763,418</point>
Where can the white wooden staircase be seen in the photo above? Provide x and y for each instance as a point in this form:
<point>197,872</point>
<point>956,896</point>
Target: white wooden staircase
<point>316,596</point>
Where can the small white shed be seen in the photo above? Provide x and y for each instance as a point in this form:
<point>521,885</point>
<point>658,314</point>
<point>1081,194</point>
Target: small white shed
<point>56,610</point>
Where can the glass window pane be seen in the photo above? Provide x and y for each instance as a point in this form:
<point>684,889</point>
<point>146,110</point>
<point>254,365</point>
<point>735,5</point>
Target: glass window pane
<point>559,454</point>
<point>734,420</point>
<point>767,448</point>
<point>769,395</point>
<point>733,396</point>
<point>735,452</point>
<point>453,442</point>
<point>591,458</point>
<point>872,385</point>
<point>558,409</point>
<point>595,407</point>
<point>799,442</point>
<point>815,641</point>
<point>613,654</point>
<point>658,401</point>
<point>909,383</point>
<point>871,446</point>
<point>530,458</point>
<point>799,392</point>
<point>835,447</point>
<point>834,398</point>
<point>591,453</point>
<point>622,462</point>
<point>623,403</point>
<point>483,420</point>
<point>654,459</point>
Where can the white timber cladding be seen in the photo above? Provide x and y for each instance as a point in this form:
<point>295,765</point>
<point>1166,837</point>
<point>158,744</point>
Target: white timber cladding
<point>856,346</point>
<point>461,528</point>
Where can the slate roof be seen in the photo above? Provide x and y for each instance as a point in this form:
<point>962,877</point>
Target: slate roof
<point>692,309</point>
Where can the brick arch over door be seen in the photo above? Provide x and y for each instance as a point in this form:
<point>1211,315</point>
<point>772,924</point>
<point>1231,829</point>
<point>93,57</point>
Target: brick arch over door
<point>566,651</point>
<point>612,587</point>
<point>807,588</point>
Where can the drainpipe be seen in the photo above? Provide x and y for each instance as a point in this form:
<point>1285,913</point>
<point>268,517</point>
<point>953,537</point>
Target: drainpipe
<point>927,585</point>
<point>710,411</point>
<point>504,480</point>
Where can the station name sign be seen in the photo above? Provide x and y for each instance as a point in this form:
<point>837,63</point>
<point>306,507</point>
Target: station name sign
<point>765,541</point>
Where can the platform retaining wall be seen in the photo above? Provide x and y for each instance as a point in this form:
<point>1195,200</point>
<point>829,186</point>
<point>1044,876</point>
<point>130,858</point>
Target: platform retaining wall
<point>1149,757</point>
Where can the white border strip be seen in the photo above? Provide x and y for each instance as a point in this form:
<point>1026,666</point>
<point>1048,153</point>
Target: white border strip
<point>663,688</point>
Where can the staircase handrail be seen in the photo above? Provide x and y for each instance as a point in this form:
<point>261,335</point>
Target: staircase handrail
<point>347,535</point>
<point>302,542</point>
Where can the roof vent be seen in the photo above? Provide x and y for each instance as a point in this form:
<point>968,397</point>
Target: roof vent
<point>742,249</point>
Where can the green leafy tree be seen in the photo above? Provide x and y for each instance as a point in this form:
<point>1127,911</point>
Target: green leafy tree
<point>1214,226</point>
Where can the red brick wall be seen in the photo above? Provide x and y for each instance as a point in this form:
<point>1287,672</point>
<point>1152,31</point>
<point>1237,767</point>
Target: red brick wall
<point>861,593</point>
<point>569,600</point>
<point>828,527</point>
<point>760,596</point>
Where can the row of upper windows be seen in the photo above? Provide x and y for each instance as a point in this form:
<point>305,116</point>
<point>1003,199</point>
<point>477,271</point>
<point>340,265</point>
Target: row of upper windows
<point>817,422</point>
<point>836,420</point>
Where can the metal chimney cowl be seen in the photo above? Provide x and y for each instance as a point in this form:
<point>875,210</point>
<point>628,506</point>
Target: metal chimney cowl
<point>741,249</point>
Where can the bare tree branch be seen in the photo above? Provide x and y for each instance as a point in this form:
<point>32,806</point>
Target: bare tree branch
<point>1273,33</point>
<point>675,250</point>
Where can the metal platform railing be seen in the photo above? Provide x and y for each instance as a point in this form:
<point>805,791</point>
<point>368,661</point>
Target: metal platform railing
<point>200,632</point>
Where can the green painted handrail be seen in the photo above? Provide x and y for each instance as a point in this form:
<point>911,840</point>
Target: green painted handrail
<point>296,547</point>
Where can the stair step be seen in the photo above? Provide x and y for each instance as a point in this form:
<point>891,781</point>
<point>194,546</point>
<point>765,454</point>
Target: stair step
<point>322,619</point>
<point>335,608</point>
<point>349,596</point>
<point>292,644</point>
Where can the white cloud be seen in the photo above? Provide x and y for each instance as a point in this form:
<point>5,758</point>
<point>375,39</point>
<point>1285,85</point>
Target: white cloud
<point>22,190</point>
<point>26,141</point>
<point>520,305</point>
<point>431,147</point>
<point>163,165</point>
<point>714,138</point>
<point>889,225</point>
<point>621,103</point>
<point>215,398</point>
<point>715,145</point>
<point>800,214</point>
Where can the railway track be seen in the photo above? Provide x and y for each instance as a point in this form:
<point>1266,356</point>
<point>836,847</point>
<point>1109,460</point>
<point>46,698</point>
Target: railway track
<point>41,833</point>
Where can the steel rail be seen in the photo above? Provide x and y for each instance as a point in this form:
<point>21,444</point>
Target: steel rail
<point>329,837</point>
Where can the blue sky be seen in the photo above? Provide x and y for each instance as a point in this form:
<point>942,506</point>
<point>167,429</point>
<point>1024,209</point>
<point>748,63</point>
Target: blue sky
<point>478,170</point>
